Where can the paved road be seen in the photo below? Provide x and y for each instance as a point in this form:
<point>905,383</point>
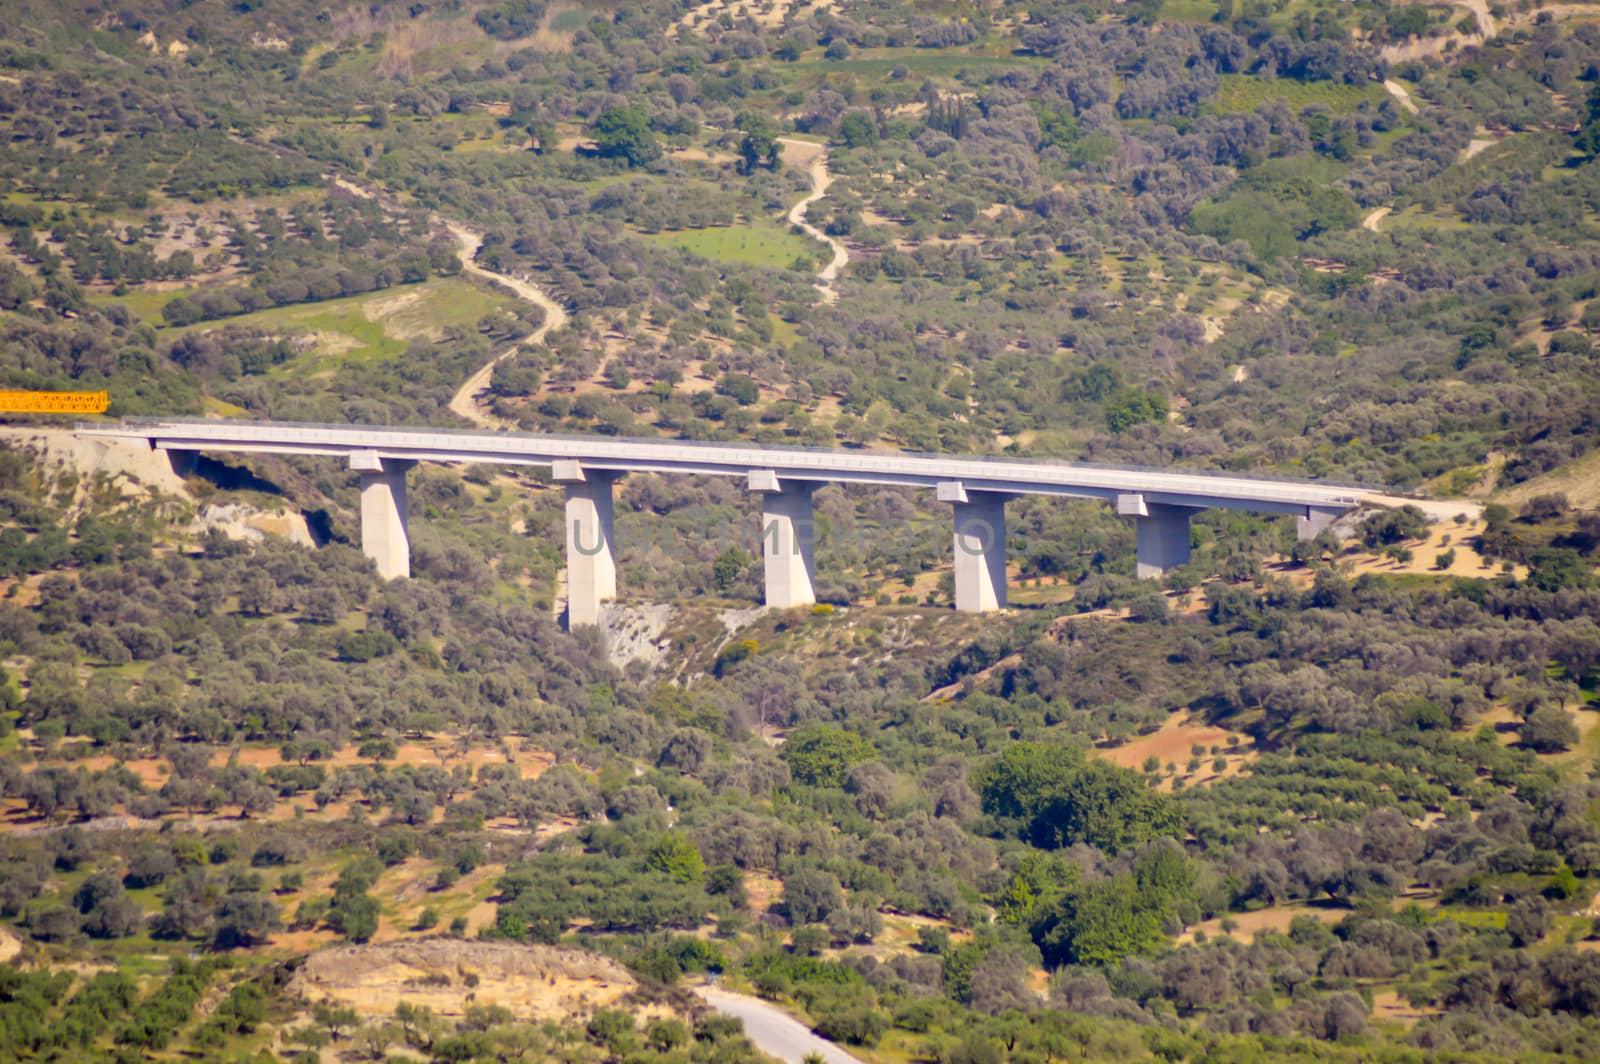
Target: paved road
<point>1436,509</point>
<point>774,1031</point>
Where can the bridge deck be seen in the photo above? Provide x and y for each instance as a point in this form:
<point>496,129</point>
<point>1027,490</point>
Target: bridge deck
<point>1004,476</point>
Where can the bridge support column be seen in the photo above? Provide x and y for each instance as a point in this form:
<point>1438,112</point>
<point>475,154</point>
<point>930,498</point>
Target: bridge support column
<point>1163,534</point>
<point>1314,523</point>
<point>787,549</point>
<point>980,547</point>
<point>384,538</point>
<point>591,540</point>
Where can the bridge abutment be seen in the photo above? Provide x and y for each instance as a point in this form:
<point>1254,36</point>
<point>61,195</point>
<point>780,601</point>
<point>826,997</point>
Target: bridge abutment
<point>591,540</point>
<point>384,536</point>
<point>184,463</point>
<point>980,547</point>
<point>1314,523</point>
<point>788,558</point>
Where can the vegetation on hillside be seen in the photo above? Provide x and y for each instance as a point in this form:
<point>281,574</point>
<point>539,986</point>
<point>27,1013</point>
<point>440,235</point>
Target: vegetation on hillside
<point>1210,236</point>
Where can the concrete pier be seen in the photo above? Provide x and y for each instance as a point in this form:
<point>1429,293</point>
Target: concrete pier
<point>787,549</point>
<point>980,546</point>
<point>977,487</point>
<point>1163,534</point>
<point>384,537</point>
<point>591,540</point>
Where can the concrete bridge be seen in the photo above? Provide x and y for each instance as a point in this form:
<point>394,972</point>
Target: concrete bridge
<point>1160,502</point>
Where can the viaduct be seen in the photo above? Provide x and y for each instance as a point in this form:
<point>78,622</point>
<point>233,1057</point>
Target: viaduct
<point>1160,502</point>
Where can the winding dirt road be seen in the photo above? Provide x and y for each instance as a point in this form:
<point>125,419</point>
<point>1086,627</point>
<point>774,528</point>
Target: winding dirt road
<point>468,401</point>
<point>815,158</point>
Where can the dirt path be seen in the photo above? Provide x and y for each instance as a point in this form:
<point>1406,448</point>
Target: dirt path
<point>351,187</point>
<point>1403,98</point>
<point>467,402</point>
<point>815,158</point>
<point>1398,91</point>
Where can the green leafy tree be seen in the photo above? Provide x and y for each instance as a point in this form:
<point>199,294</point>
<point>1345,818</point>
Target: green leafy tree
<point>1559,569</point>
<point>810,894</point>
<point>1099,924</point>
<point>1549,730</point>
<point>1037,883</point>
<point>857,130</point>
<point>730,565</point>
<point>740,387</point>
<point>1588,138</point>
<point>677,857</point>
<point>355,917</point>
<point>624,133</point>
<point>1054,798</point>
<point>1134,406</point>
<point>759,144</point>
<point>541,136</point>
<point>821,755</point>
<point>1021,779</point>
<point>1105,806</point>
<point>1386,527</point>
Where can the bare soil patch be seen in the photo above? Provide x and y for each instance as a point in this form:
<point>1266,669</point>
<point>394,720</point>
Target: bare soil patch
<point>448,975</point>
<point>766,13</point>
<point>1443,536</point>
<point>136,471</point>
<point>1388,1005</point>
<point>1579,480</point>
<point>1175,741</point>
<point>1276,919</point>
<point>762,890</point>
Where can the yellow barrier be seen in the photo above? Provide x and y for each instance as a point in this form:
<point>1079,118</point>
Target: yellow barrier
<point>53,402</point>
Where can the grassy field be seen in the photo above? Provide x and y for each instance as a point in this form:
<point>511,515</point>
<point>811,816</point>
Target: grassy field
<point>569,20</point>
<point>1241,93</point>
<point>1415,217</point>
<point>372,326</point>
<point>145,305</point>
<point>1195,12</point>
<point>762,243</point>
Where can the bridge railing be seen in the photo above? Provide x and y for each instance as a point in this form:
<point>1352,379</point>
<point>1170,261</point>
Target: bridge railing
<point>743,452</point>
